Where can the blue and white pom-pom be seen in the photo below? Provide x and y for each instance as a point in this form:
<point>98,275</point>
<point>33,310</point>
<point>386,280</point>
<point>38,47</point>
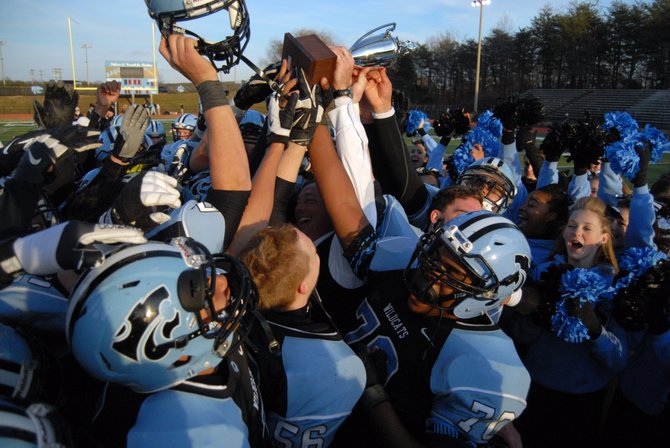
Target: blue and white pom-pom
<point>484,137</point>
<point>635,261</point>
<point>413,121</point>
<point>658,141</point>
<point>623,157</point>
<point>492,124</point>
<point>621,121</point>
<point>585,285</point>
<point>462,157</point>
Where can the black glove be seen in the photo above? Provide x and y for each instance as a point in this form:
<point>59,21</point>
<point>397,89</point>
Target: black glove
<point>525,139</point>
<point>375,370</point>
<point>70,245</point>
<point>586,314</point>
<point>60,99</point>
<point>309,109</point>
<point>46,149</point>
<point>551,146</point>
<point>257,89</point>
<point>142,201</point>
<point>640,179</point>
<point>131,133</point>
<point>280,120</point>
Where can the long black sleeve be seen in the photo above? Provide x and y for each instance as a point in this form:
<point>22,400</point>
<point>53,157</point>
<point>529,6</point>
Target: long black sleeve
<point>392,167</point>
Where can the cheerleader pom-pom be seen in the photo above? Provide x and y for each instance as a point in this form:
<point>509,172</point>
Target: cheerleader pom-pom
<point>588,143</point>
<point>639,260</point>
<point>623,158</point>
<point>413,121</point>
<point>530,111</point>
<point>623,122</point>
<point>461,121</point>
<point>583,285</point>
<point>658,141</point>
<point>443,125</point>
<point>507,112</point>
<point>489,142</point>
<point>569,328</point>
<point>489,122</point>
<point>462,157</point>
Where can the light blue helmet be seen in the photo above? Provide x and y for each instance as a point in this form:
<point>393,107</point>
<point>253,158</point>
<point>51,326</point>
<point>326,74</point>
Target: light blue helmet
<point>227,51</point>
<point>137,319</point>
<point>184,121</point>
<point>22,367</point>
<point>33,302</point>
<point>108,137</point>
<point>155,132</point>
<point>38,425</point>
<point>490,249</point>
<point>495,179</point>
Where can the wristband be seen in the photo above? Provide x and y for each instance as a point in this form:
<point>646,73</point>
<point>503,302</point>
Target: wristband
<point>343,92</point>
<point>507,136</point>
<point>372,397</point>
<point>212,94</point>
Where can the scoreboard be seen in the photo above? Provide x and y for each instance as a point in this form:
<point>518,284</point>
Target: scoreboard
<point>136,78</point>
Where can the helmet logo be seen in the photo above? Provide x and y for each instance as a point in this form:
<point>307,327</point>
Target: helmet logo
<point>137,333</point>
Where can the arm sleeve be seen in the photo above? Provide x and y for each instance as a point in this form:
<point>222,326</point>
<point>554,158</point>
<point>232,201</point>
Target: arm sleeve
<point>352,147</point>
<point>435,154</point>
<point>283,190</point>
<point>231,205</point>
<point>610,185</point>
<point>510,156</point>
<point>640,232</point>
<point>579,187</point>
<point>17,204</point>
<point>611,347</point>
<point>392,167</point>
<point>548,174</point>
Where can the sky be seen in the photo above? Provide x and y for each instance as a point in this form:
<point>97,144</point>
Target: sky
<point>36,33</point>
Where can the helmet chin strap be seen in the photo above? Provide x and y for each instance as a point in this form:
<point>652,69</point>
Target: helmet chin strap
<point>275,86</point>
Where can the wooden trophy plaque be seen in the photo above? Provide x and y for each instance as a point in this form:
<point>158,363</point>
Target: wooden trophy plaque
<point>312,55</point>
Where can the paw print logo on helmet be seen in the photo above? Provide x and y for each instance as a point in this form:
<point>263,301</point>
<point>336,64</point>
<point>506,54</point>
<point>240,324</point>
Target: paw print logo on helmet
<point>495,179</point>
<point>226,51</point>
<point>148,317</point>
<point>480,257</point>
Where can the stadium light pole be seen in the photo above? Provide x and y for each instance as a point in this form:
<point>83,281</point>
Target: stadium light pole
<point>481,4</point>
<point>86,47</point>
<point>2,62</point>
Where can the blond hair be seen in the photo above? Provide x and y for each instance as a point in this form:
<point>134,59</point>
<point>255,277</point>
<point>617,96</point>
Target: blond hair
<point>277,265</point>
<point>605,253</point>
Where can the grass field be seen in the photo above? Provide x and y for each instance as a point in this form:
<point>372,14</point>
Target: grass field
<point>10,129</point>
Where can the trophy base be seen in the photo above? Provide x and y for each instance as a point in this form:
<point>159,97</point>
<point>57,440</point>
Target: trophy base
<point>312,55</point>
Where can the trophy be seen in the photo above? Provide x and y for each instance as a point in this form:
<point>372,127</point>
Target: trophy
<point>381,49</point>
<point>312,55</point>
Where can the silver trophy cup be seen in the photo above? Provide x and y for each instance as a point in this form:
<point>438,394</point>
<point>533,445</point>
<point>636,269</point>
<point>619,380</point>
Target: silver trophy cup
<point>379,50</point>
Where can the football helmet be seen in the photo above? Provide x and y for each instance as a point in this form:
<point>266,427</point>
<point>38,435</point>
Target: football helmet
<point>228,50</point>
<point>494,178</point>
<point>490,249</point>
<point>34,302</point>
<point>108,137</point>
<point>155,132</point>
<point>146,318</point>
<point>32,425</point>
<point>23,365</point>
<point>184,121</point>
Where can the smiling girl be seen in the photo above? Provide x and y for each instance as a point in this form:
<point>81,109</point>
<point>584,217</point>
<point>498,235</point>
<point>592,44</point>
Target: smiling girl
<point>569,378</point>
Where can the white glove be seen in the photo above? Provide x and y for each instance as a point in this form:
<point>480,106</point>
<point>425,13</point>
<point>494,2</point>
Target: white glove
<point>70,245</point>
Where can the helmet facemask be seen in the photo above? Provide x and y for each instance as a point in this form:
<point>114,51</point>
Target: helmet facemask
<point>497,191</point>
<point>226,51</point>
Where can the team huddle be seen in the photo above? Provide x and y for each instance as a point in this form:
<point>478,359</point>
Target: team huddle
<point>302,279</point>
